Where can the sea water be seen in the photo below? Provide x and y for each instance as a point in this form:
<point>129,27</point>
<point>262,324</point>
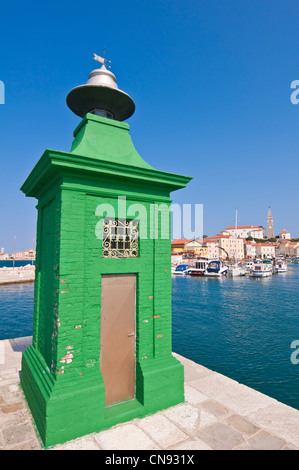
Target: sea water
<point>241,327</point>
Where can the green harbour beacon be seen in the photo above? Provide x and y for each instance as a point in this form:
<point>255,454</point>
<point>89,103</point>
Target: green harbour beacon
<point>101,351</point>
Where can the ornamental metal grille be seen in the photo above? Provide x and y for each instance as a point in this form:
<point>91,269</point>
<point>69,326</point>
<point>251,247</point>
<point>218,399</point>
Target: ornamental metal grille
<point>120,238</point>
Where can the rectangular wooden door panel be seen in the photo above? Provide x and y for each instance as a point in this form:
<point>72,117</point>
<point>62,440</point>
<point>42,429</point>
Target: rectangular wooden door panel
<point>117,356</point>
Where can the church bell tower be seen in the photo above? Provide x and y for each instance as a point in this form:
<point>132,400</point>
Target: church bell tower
<point>270,224</point>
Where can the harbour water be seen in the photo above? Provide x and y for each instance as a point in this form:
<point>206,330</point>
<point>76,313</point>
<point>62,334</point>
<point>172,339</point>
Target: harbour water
<point>17,264</point>
<point>240,327</point>
<point>16,310</point>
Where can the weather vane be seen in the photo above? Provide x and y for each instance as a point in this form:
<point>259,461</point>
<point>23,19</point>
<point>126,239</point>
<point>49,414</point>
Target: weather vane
<point>102,60</point>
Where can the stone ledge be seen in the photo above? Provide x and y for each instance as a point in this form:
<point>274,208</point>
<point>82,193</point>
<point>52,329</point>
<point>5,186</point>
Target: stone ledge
<point>218,413</point>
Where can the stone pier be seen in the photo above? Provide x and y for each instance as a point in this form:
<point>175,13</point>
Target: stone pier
<point>17,275</point>
<point>218,414</point>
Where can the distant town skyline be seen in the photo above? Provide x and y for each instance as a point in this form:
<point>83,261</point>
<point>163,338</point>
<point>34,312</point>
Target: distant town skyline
<point>223,229</point>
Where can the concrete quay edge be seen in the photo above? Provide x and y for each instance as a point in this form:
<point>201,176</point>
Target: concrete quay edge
<point>218,414</point>
<point>18,275</point>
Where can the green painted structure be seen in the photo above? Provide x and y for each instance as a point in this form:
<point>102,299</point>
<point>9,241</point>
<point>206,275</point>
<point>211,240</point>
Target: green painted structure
<point>60,375</point>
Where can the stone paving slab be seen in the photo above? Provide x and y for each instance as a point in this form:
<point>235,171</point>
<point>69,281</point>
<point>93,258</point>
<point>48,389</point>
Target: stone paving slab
<point>218,414</point>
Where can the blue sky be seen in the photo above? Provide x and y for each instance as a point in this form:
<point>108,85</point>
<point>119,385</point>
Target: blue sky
<point>211,83</point>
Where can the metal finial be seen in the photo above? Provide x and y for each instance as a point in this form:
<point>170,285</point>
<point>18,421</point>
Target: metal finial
<point>102,60</point>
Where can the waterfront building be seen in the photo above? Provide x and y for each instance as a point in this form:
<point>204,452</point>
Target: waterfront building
<point>265,250</point>
<point>229,246</point>
<point>102,343</point>
<point>245,231</point>
<point>179,246</point>
<point>213,251</point>
<point>270,224</point>
<point>197,247</point>
<point>249,249</point>
<point>284,235</point>
<point>4,256</point>
<point>29,254</point>
<point>288,249</point>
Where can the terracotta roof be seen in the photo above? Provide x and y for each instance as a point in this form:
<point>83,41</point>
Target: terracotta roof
<point>180,241</point>
<point>221,236</point>
<point>263,244</point>
<point>246,226</point>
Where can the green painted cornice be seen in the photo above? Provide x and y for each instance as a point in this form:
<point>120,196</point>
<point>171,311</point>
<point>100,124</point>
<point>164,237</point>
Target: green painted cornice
<point>102,148</point>
<point>54,164</point>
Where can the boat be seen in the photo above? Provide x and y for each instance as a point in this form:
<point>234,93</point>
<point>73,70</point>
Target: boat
<point>281,267</point>
<point>261,270</point>
<point>236,270</point>
<point>181,269</point>
<point>248,266</point>
<point>215,268</point>
<point>198,268</point>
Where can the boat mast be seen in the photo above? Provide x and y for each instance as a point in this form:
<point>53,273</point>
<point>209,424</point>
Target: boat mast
<point>236,225</point>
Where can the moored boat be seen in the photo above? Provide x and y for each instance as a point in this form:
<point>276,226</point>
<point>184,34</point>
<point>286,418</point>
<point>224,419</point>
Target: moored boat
<point>236,270</point>
<point>198,268</point>
<point>261,270</point>
<point>248,266</point>
<point>181,269</point>
<point>280,266</point>
<point>215,268</point>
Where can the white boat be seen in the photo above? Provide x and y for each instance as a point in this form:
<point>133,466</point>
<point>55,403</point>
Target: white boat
<point>248,266</point>
<point>236,270</point>
<point>216,269</point>
<point>281,267</point>
<point>173,268</point>
<point>181,269</point>
<point>261,270</point>
<point>198,268</point>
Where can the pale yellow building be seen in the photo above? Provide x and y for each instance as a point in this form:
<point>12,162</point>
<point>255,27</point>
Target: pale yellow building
<point>212,248</point>
<point>178,246</point>
<point>197,247</point>
<point>230,246</point>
